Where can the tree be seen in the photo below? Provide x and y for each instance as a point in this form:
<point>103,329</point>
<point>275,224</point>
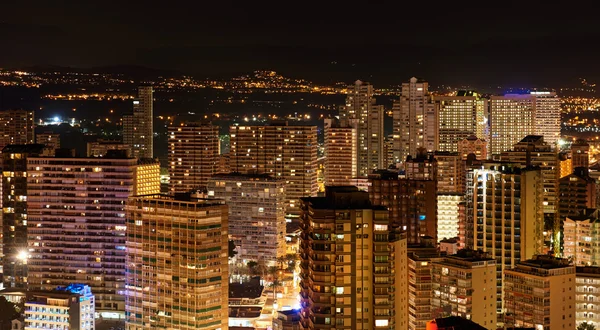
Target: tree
<point>586,326</point>
<point>8,312</point>
<point>232,251</point>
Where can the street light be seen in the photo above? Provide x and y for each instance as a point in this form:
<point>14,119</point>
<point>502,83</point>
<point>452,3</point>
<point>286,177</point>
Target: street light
<point>22,255</point>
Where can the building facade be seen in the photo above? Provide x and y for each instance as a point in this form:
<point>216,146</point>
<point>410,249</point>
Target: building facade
<point>283,151</point>
<point>508,216</point>
<point>256,214</point>
<point>362,112</point>
<point>540,294</point>
<point>460,116</point>
<point>415,120</point>
<point>581,233</point>
<point>193,156</point>
<point>580,154</point>
<point>450,172</point>
<point>576,193</point>
<point>138,129</point>
<point>473,145</point>
<point>420,284</point>
<point>341,152</point>
<point>176,272</point>
<point>465,285</point>
<point>51,140</point>
<point>448,215</point>
<point>587,294</point>
<point>16,127</point>
<point>76,223</point>
<point>348,252</point>
<point>101,147</point>
<point>69,307</point>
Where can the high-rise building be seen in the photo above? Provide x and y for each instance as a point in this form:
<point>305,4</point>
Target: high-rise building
<point>361,112</point>
<point>566,164</point>
<point>587,294</point>
<point>473,145</point>
<point>514,116</point>
<point>448,215</point>
<point>193,156</point>
<point>415,120</point>
<point>287,320</point>
<point>101,147</point>
<point>507,215</point>
<point>16,127</point>
<point>420,278</point>
<point>176,269</point>
<point>146,179</point>
<point>14,211</point>
<point>281,150</point>
<point>256,214</point>
<point>581,232</point>
<point>459,117</point>
<point>540,293</point>
<point>532,150</point>
<point>576,193</point>
<point>138,129</point>
<point>69,307</point>
<point>450,172</point>
<point>341,152</point>
<point>76,222</point>
<point>388,146</point>
<point>465,285</point>
<point>412,204</point>
<point>353,264</point>
<point>51,140</point>
<point>580,154</point>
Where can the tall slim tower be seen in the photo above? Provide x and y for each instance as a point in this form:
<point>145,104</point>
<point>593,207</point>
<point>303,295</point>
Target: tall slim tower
<point>284,151</point>
<point>340,152</point>
<point>193,156</point>
<point>76,222</point>
<point>547,116</point>
<point>415,120</point>
<point>367,117</point>
<point>176,269</point>
<point>138,130</point>
<point>461,116</point>
<point>353,264</point>
<point>507,212</point>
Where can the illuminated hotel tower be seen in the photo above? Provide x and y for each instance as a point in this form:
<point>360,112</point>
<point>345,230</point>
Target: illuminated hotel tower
<point>284,151</point>
<point>460,116</point>
<point>138,130</point>
<point>415,120</point>
<point>193,156</point>
<point>176,270</point>
<point>361,111</point>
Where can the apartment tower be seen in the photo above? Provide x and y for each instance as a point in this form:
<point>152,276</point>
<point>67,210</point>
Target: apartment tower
<point>256,214</point>
<point>16,127</point>
<point>460,116</point>
<point>193,156</point>
<point>138,129</point>
<point>353,264</point>
<point>341,152</point>
<point>284,151</point>
<point>176,270</point>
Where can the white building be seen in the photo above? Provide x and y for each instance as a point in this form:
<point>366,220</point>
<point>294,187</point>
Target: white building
<point>71,307</point>
<point>448,215</point>
<point>587,296</point>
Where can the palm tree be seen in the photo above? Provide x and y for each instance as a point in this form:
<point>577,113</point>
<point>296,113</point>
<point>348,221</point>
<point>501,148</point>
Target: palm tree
<point>586,326</point>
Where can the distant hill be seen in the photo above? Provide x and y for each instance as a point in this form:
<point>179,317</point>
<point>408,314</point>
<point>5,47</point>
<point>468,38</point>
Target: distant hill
<point>134,71</point>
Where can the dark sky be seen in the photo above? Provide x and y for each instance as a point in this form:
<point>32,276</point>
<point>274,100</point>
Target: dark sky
<point>537,43</point>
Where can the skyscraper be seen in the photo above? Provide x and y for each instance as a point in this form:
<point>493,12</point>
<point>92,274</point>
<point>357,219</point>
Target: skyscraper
<point>341,152</point>
<point>514,116</point>
<point>507,212</point>
<point>420,258</point>
<point>16,127</point>
<point>460,116</point>
<point>353,264</point>
<point>76,223</point>
<point>361,112</point>
<point>256,214</point>
<point>138,129</point>
<point>540,293</point>
<point>580,154</point>
<point>177,274</point>
<point>281,150</point>
<point>576,193</point>
<point>14,212</point>
<point>193,156</point>
<point>415,120</point>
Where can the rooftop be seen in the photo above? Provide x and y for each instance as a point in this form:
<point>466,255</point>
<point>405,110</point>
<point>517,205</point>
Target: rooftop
<point>580,271</point>
<point>455,323</point>
<point>546,262</point>
<point>23,148</point>
<point>342,197</point>
<point>243,176</point>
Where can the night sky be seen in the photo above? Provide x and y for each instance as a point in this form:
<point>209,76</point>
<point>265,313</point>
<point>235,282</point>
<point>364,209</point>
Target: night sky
<point>457,43</point>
